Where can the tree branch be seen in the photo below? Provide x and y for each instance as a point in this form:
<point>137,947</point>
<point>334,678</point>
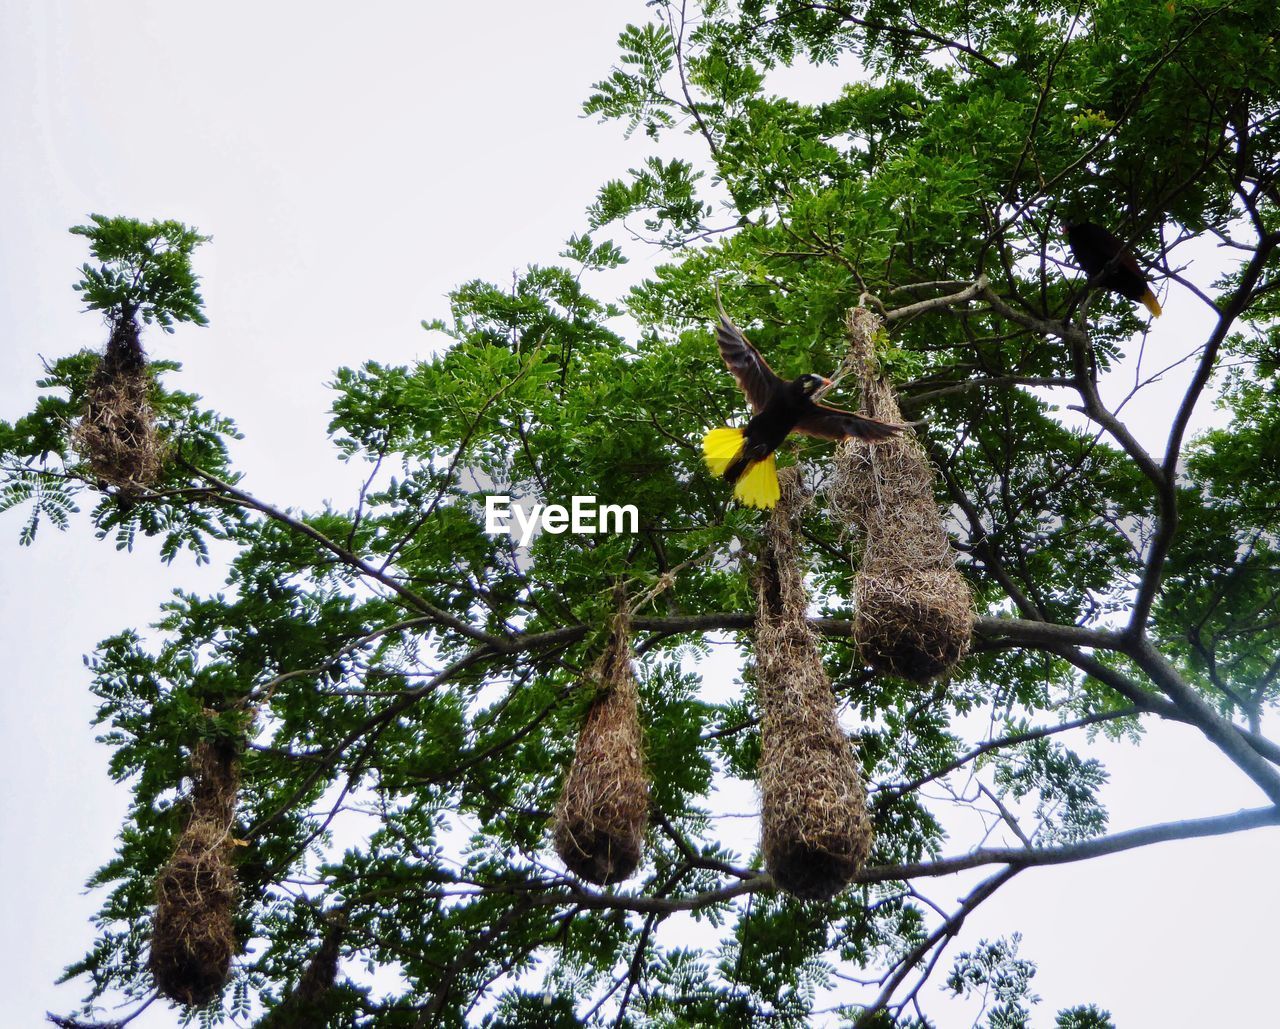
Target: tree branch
<point>945,932</point>
<point>977,288</point>
<point>224,490</point>
<point>1167,517</point>
<point>1116,843</point>
<point>902,30</point>
<point>568,891</point>
<point>1012,740</point>
<point>1146,700</point>
<point>1223,733</point>
<point>1043,326</point>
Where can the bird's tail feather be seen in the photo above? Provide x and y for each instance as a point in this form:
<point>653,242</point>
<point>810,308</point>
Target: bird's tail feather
<point>1150,302</point>
<point>756,485</point>
<point>720,447</point>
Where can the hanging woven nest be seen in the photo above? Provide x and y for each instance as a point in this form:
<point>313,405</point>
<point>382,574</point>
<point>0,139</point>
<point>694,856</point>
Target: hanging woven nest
<point>816,831</point>
<point>603,808</point>
<point>192,937</point>
<point>913,611</point>
<point>313,1000</point>
<point>117,433</point>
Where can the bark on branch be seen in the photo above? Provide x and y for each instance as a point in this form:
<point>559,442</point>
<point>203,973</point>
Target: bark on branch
<point>557,892</point>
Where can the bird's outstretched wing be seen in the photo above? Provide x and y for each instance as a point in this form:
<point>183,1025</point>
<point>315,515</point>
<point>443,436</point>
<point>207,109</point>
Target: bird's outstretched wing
<point>755,378</point>
<point>831,423</point>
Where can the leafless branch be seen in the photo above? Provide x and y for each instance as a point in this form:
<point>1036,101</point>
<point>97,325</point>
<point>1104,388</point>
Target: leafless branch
<point>227,492</point>
<point>1011,740</point>
<point>1167,515</point>
<point>945,932</point>
<point>977,288</point>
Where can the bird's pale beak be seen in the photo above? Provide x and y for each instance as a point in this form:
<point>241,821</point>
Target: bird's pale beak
<point>826,385</point>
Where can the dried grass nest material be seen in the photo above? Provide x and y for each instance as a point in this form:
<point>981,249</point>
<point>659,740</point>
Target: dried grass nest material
<point>816,831</point>
<point>116,434</point>
<point>192,938</point>
<point>913,611</point>
<point>603,809</point>
<point>312,1000</point>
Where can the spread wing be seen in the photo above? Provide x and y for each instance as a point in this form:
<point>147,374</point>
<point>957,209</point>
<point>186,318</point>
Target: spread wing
<point>831,423</point>
<point>755,378</point>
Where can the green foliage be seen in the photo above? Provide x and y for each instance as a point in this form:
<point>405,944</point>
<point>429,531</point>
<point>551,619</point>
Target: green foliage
<point>1222,567</point>
<point>145,270</point>
<point>994,972</point>
<point>1088,1016</point>
<point>1066,785</point>
<point>42,473</point>
<point>518,1010</point>
<point>406,689</point>
<point>633,92</point>
<point>47,499</point>
<point>667,189</point>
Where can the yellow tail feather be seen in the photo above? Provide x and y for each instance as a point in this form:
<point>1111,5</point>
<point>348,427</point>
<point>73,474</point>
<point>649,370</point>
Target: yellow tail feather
<point>758,485</point>
<point>720,447</point>
<point>1150,302</point>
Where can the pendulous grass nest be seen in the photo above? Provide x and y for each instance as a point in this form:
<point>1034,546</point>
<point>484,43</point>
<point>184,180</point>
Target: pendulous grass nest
<point>913,611</point>
<point>816,829</point>
<point>192,938</point>
<point>313,1000</point>
<point>116,433</point>
<point>603,809</point>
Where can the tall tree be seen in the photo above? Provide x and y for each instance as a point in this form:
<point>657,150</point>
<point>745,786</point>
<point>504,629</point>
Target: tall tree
<point>402,690</point>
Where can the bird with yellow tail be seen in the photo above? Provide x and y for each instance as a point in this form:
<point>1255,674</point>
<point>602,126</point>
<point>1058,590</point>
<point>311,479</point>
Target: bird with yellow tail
<point>744,457</point>
<point>1109,264</point>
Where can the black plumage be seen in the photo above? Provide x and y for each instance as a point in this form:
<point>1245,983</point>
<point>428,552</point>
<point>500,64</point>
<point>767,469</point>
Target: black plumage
<point>779,408</point>
<point>1109,264</point>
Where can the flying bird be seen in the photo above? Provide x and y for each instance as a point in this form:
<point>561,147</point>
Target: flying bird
<point>1104,257</point>
<point>744,457</point>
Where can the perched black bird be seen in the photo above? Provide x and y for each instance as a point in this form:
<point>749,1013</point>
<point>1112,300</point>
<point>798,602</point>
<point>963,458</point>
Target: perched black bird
<point>745,456</point>
<point>1100,253</point>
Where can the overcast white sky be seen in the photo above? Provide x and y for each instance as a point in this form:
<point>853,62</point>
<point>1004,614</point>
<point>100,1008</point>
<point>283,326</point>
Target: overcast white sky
<point>353,163</point>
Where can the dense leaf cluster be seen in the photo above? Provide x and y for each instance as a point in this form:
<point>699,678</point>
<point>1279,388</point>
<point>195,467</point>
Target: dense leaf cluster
<point>144,270</point>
